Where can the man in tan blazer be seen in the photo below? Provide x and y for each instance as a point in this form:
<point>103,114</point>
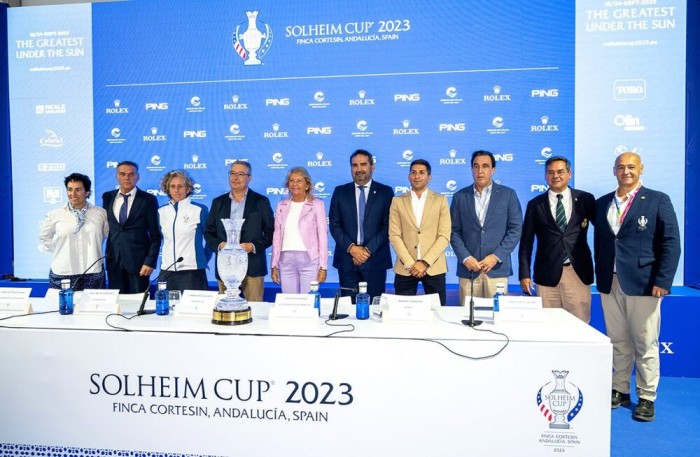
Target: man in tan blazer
<point>419,231</point>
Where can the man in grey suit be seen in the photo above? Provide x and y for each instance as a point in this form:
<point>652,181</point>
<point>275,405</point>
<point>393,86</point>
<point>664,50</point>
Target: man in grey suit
<point>486,225</point>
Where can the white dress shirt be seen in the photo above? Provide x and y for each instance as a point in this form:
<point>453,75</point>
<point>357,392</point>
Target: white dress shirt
<point>74,252</point>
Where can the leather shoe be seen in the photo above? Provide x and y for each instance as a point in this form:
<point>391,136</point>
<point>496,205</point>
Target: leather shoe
<point>644,410</point>
<point>618,399</point>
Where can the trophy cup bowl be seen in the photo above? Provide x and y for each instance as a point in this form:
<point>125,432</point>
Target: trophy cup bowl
<point>232,264</point>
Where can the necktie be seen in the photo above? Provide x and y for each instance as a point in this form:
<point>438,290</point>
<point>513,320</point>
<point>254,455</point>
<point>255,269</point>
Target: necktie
<point>561,214</point>
<point>123,211</point>
<point>361,211</point>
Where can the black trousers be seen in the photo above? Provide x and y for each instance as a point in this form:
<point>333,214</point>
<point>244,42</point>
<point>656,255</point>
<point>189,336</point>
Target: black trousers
<point>408,285</point>
<point>187,280</point>
<point>127,283</point>
<point>376,282</point>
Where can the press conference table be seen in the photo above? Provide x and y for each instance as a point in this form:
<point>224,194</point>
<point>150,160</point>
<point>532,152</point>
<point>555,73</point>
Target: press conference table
<point>176,384</point>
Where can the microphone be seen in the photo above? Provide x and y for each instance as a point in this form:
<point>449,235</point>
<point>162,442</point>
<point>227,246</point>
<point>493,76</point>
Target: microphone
<point>82,275</point>
<point>334,314</point>
<point>471,322</point>
<point>142,311</point>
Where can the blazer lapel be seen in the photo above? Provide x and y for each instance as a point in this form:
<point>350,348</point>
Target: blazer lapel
<point>471,206</point>
<point>547,211</point>
<point>135,207</point>
<point>429,200</point>
<point>408,208</point>
<point>576,209</point>
<point>306,209</point>
<point>493,202</point>
<point>634,210</point>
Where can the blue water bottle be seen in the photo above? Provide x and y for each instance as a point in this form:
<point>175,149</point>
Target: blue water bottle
<point>162,299</point>
<point>317,295</point>
<point>65,298</point>
<point>500,291</point>
<point>362,302</point>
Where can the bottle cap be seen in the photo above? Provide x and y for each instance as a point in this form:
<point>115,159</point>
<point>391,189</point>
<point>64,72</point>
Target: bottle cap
<point>162,285</point>
<point>65,283</point>
<point>313,283</point>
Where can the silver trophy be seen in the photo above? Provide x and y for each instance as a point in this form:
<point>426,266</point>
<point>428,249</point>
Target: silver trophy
<point>232,264</point>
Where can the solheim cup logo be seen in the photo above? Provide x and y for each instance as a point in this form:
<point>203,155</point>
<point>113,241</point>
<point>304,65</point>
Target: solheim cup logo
<point>558,404</point>
<point>252,44</point>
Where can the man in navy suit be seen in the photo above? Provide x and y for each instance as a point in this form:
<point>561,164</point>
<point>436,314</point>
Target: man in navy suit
<point>134,235</point>
<point>486,224</point>
<point>559,220</point>
<point>361,250</point>
<point>637,248</point>
<point>256,234</point>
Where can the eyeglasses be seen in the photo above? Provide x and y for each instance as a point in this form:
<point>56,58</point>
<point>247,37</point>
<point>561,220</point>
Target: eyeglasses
<point>238,174</point>
<point>556,172</point>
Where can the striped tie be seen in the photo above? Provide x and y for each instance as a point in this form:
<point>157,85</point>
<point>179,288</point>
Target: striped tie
<point>561,214</point>
<point>361,214</point>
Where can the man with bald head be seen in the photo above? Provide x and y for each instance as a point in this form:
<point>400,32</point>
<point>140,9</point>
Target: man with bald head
<point>637,248</point>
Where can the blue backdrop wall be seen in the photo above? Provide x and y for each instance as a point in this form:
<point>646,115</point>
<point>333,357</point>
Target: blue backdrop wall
<point>5,160</point>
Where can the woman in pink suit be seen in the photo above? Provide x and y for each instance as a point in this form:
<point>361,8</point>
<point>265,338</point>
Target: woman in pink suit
<point>300,239</point>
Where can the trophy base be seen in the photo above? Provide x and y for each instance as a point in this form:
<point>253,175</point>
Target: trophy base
<point>234,317</point>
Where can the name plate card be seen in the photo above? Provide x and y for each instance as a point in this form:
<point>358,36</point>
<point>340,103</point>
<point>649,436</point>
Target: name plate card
<point>196,303</point>
<point>98,301</point>
<point>15,300</point>
<point>400,308</point>
<point>298,307</point>
<point>519,309</point>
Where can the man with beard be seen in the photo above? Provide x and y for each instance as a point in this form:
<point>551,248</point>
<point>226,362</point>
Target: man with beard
<point>359,224</point>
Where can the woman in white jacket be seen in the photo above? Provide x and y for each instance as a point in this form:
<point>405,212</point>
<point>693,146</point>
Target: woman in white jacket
<point>182,227</point>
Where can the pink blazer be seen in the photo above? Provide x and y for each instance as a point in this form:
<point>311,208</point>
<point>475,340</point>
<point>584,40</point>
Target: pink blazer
<point>313,227</point>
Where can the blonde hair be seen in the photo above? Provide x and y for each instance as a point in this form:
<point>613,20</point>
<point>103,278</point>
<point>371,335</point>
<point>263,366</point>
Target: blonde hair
<point>304,174</point>
<point>165,181</point>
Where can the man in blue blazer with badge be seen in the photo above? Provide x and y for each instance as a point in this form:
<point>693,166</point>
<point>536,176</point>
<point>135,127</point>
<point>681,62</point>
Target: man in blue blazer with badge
<point>134,234</point>
<point>359,223</point>
<point>486,223</point>
<point>637,249</point>
<point>559,220</point>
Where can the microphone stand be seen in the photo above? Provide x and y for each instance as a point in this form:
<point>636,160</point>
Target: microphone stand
<point>334,316</point>
<point>471,322</point>
<point>142,311</point>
